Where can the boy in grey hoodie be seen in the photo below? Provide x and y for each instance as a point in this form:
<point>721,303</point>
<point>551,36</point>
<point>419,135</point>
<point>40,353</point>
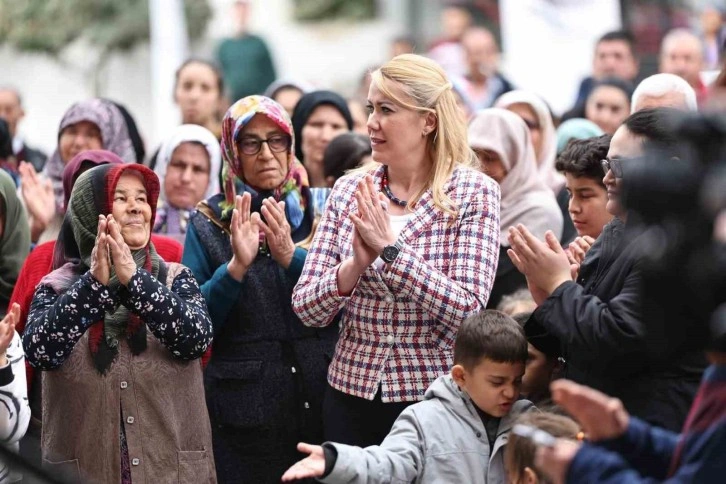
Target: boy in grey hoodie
<point>457,433</point>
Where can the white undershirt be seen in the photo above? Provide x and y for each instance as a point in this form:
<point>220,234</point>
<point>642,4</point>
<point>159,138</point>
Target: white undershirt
<point>398,222</point>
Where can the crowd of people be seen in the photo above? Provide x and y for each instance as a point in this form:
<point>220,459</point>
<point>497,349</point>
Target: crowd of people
<point>439,281</point>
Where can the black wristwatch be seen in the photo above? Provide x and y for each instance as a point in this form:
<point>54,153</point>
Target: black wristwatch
<point>390,252</point>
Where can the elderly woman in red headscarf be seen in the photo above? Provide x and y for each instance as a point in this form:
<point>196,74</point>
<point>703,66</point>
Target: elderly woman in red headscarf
<point>119,333</point>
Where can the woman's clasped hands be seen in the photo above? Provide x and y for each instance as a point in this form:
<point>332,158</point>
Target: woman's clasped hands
<point>110,250</point>
<point>373,231</point>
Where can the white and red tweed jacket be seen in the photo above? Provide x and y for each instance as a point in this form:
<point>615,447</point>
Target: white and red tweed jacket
<point>398,326</point>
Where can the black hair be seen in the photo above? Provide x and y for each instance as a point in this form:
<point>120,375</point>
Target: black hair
<point>581,157</point>
<point>489,334</point>
<point>344,153</point>
<point>214,67</point>
<point>656,126</point>
<point>625,86</point>
<point>620,36</point>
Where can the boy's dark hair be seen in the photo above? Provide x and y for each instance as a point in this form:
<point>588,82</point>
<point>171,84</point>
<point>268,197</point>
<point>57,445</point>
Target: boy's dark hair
<point>619,36</point>
<point>581,157</point>
<point>520,451</point>
<point>489,334</point>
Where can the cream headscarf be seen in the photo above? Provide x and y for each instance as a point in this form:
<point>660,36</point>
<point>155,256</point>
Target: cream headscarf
<point>525,197</point>
<point>546,160</point>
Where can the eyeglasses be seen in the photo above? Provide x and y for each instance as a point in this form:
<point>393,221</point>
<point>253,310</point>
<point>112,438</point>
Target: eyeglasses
<point>252,146</point>
<point>614,165</point>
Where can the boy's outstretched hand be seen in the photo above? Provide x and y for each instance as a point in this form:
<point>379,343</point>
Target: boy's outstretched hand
<point>311,466</point>
<point>7,331</point>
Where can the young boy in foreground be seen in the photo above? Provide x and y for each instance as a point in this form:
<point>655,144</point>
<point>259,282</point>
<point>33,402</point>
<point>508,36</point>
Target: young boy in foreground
<point>457,433</point>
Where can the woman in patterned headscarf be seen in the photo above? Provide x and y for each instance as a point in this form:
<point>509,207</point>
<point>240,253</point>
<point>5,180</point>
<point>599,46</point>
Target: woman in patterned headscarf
<point>122,332</point>
<point>266,378</point>
<point>87,125</point>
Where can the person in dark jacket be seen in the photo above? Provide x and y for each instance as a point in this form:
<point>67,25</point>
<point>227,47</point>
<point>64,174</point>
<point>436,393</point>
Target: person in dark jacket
<point>11,110</point>
<point>597,317</point>
<point>266,378</point>
<point>625,450</point>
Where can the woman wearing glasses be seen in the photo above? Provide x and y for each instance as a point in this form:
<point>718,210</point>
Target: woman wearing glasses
<point>266,377</point>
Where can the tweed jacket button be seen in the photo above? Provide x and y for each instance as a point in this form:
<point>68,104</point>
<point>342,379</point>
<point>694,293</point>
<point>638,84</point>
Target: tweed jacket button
<point>390,339</point>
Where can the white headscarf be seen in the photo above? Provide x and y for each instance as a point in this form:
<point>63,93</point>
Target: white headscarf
<point>525,197</point>
<point>546,160</point>
<point>197,134</point>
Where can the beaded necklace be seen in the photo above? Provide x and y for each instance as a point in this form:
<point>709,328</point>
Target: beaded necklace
<point>387,190</point>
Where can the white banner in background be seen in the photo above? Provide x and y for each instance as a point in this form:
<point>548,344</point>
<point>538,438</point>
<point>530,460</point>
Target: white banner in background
<point>548,44</point>
<point>169,48</point>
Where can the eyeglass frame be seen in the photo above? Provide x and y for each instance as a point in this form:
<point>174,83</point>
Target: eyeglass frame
<point>287,137</point>
<point>614,164</point>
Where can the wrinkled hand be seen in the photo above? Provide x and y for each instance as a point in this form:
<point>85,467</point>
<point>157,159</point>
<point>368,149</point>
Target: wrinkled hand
<point>554,462</point>
<point>544,264</point>
<point>38,197</point>
<point>100,265</point>
<point>310,467</point>
<point>244,236</point>
<point>601,417</point>
<point>372,220</point>
<point>123,261</point>
<point>7,331</point>
<point>277,232</point>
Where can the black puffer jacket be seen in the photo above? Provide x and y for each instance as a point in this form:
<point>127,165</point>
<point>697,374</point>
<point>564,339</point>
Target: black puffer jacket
<point>607,344</point>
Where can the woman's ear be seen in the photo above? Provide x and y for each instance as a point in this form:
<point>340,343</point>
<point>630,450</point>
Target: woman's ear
<point>431,123</point>
<point>529,476</point>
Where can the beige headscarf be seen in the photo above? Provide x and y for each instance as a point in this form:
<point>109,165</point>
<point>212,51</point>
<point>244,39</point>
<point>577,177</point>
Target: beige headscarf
<point>546,160</point>
<point>526,199</point>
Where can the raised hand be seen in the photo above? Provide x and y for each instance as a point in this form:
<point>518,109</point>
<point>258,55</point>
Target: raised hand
<point>244,236</point>
<point>601,417</point>
<point>100,265</point>
<point>578,248</point>
<point>123,260</point>
<point>38,197</point>
<point>7,331</point>
<point>277,232</point>
<point>545,264</point>
<point>310,467</point>
<point>372,221</point>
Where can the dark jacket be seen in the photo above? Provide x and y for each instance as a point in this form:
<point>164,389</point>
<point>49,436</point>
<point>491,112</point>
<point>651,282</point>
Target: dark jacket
<point>266,378</point>
<point>607,344</point>
<point>35,157</point>
<point>646,455</point>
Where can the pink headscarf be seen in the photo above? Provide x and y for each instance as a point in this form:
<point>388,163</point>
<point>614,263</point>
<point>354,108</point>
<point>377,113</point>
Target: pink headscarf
<point>526,199</point>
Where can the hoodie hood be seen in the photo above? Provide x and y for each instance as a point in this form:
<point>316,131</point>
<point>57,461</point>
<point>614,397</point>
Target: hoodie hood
<point>446,390</point>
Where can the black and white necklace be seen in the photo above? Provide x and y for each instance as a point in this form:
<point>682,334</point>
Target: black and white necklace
<point>387,190</point>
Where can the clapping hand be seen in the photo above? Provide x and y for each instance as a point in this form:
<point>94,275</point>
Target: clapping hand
<point>277,232</point>
<point>38,197</point>
<point>100,265</point>
<point>123,260</point>
<point>372,221</point>
<point>7,331</point>
<point>578,248</point>
<point>310,467</point>
<point>545,264</point>
<point>244,236</point>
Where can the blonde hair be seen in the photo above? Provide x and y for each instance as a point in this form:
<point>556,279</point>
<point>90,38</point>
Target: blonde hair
<point>428,90</point>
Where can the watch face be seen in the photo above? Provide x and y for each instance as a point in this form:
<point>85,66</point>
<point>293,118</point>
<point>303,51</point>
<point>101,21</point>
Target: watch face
<point>389,253</point>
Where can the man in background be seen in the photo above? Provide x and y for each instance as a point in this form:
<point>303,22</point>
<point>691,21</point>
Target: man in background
<point>11,110</point>
<point>614,57</point>
<point>245,59</point>
<point>681,53</point>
